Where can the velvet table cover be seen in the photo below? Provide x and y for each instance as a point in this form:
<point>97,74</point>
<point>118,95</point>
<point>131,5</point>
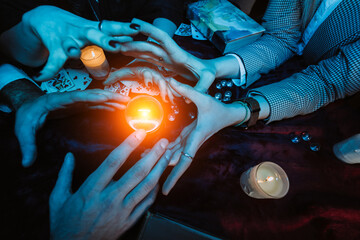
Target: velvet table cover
<point>323,201</point>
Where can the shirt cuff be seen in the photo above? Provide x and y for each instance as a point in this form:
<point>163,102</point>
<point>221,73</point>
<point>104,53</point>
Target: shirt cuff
<point>241,81</point>
<point>10,73</point>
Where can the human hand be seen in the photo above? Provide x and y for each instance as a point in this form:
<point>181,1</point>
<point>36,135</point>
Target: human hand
<point>148,75</point>
<point>213,116</point>
<point>63,34</point>
<point>168,54</point>
<point>31,116</point>
<point>102,208</point>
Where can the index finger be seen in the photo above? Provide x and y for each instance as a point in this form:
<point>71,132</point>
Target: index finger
<point>119,28</point>
<point>158,35</point>
<point>99,179</point>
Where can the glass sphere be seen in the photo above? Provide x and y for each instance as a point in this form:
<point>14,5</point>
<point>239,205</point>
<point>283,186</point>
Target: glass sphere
<point>144,112</point>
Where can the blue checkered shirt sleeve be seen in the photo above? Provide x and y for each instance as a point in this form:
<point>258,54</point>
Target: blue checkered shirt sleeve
<point>316,86</point>
<point>282,22</point>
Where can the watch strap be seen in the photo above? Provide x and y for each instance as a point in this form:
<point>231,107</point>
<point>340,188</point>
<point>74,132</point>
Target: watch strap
<point>254,108</point>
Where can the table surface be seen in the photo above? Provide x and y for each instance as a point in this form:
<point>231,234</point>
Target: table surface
<point>322,202</point>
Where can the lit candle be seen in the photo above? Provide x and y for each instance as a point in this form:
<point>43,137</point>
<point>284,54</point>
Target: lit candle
<point>93,57</point>
<point>144,112</point>
<point>265,180</point>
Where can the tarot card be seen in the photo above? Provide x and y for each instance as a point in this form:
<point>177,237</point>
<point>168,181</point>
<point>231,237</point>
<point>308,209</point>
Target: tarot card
<point>60,83</point>
<point>196,34</point>
<point>183,30</point>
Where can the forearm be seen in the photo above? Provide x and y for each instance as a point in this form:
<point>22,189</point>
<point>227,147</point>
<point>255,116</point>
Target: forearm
<point>20,91</point>
<point>316,86</point>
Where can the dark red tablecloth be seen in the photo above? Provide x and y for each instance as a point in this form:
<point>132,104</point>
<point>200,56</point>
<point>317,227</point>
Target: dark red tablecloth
<point>322,203</point>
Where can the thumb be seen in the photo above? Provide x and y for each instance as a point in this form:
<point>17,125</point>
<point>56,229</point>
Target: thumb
<point>27,141</point>
<point>206,79</point>
<point>186,91</point>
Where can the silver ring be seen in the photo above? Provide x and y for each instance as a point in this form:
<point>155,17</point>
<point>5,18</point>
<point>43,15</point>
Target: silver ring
<point>100,25</point>
<point>187,155</point>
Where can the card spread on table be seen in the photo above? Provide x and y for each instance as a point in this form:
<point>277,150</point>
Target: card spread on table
<point>60,83</point>
<point>127,86</point>
<point>67,80</point>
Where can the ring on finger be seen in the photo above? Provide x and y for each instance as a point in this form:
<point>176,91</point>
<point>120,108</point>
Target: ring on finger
<point>100,25</point>
<point>187,155</point>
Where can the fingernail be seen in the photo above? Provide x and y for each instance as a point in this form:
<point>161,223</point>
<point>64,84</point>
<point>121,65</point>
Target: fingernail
<point>72,50</point>
<point>135,26</point>
<point>140,134</point>
<point>163,144</point>
<point>114,44</point>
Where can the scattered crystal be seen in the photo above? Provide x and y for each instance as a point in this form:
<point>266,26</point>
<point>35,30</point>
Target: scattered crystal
<point>218,85</point>
<point>294,138</point>
<point>226,99</point>
<point>228,94</point>
<point>192,115</point>
<point>171,117</point>
<point>223,83</point>
<point>306,136</point>
<point>218,96</point>
<point>229,84</point>
<point>175,109</point>
<point>314,147</point>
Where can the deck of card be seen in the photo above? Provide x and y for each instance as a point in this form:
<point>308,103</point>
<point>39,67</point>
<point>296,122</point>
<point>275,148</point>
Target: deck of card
<point>67,80</point>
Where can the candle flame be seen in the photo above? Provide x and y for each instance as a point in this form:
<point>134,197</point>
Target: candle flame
<point>144,112</point>
<point>93,54</point>
<point>269,179</point>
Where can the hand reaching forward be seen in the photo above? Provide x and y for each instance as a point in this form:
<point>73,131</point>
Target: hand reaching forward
<point>102,208</point>
<point>52,35</point>
<point>168,54</point>
<point>212,117</point>
<point>148,75</point>
<point>31,116</point>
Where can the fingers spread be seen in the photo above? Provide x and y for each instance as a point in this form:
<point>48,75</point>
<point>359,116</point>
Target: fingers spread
<point>140,170</point>
<point>99,179</point>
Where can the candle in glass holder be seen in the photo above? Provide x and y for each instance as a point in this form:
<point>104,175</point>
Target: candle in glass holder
<point>144,112</point>
<point>265,180</point>
<point>93,57</point>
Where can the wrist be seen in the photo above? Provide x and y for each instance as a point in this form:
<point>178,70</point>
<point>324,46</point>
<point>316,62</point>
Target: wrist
<point>19,92</point>
<point>240,113</point>
<point>225,67</point>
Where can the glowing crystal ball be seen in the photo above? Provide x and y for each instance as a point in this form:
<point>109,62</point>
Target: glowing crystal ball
<point>144,112</point>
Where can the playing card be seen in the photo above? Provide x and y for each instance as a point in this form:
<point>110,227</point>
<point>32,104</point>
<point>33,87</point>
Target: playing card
<point>140,88</point>
<point>125,87</point>
<point>80,78</point>
<point>183,30</point>
<point>196,34</point>
<point>60,83</point>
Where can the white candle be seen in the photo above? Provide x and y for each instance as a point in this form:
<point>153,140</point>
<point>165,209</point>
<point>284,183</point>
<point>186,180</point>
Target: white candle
<point>265,180</point>
<point>93,57</point>
<point>144,112</point>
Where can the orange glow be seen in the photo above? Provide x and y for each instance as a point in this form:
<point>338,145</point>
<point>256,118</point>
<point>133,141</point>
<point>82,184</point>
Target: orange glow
<point>92,56</point>
<point>144,112</point>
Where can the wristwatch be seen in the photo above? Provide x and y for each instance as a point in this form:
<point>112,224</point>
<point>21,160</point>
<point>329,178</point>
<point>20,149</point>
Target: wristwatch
<point>254,108</point>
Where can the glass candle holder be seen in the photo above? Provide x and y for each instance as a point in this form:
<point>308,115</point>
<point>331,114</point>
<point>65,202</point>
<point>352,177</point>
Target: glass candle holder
<point>348,150</point>
<point>144,112</point>
<point>93,57</point>
<point>265,180</point>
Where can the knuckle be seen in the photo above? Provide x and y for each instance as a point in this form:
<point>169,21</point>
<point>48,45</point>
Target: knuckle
<point>140,172</point>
